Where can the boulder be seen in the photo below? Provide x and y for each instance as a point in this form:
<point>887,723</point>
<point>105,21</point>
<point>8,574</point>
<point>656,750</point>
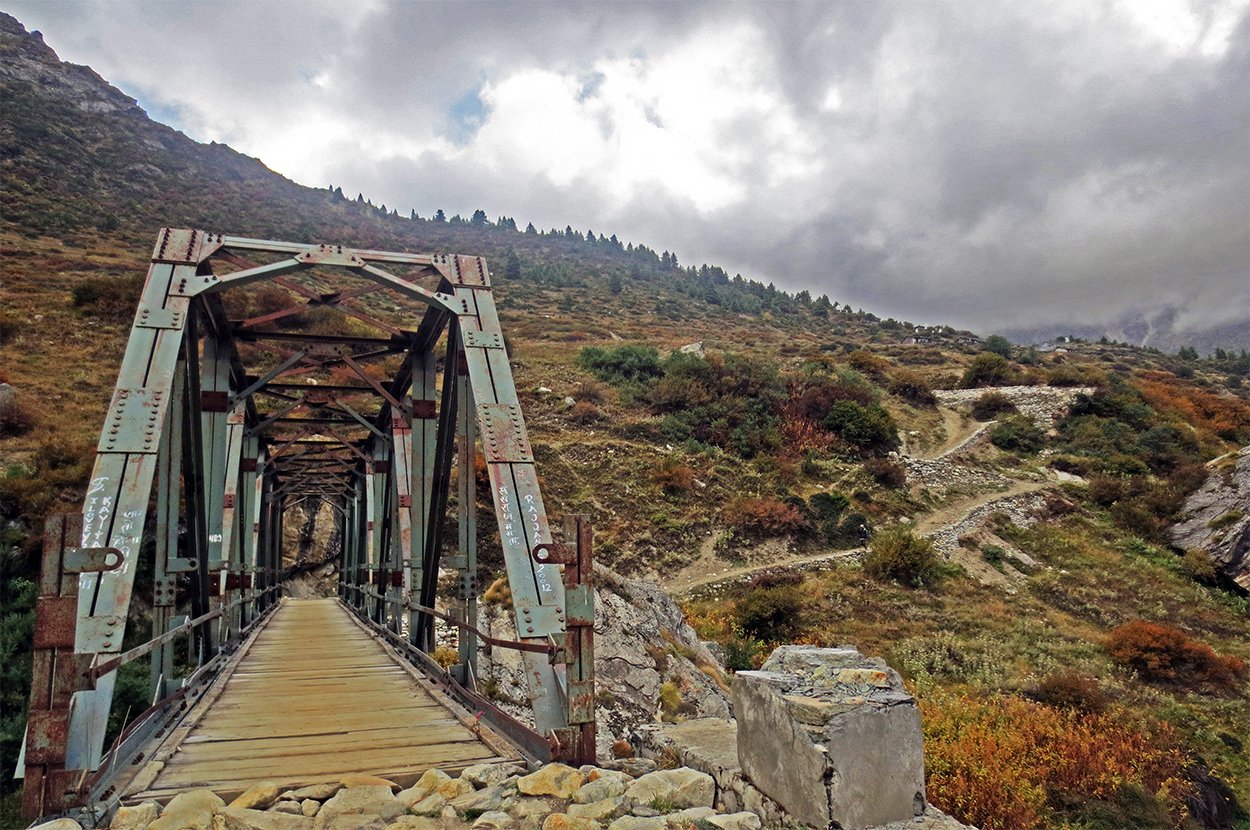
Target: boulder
<point>1216,518</point>
<point>492,820</point>
<point>242,818</point>
<point>309,807</point>
<point>289,807</point>
<point>60,824</point>
<point>318,791</point>
<point>356,779</point>
<point>633,767</point>
<point>138,817</point>
<point>563,821</point>
<point>673,789</point>
<point>488,775</point>
<point>259,797</point>
<point>352,822</point>
<point>735,821</point>
<point>192,810</point>
<point>485,800</point>
<point>604,810</point>
<point>689,816</point>
<point>432,805</point>
<point>366,800</point>
<point>425,785</point>
<point>832,736</point>
<point>601,788</point>
<point>638,823</point>
<point>532,810</point>
<point>415,823</point>
<point>559,780</point>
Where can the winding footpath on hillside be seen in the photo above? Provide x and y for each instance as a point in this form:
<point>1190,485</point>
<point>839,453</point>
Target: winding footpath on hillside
<point>695,576</point>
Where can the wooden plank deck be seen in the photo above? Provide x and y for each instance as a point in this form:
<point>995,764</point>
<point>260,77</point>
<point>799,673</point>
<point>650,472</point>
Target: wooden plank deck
<point>312,698</point>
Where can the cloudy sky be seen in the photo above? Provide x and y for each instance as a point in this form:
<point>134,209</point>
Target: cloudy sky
<point>988,164</point>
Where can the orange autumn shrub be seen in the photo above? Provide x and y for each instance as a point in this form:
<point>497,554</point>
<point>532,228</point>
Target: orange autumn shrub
<point>764,517</point>
<point>1007,763</point>
<point>1168,656</point>
<point>1224,415</point>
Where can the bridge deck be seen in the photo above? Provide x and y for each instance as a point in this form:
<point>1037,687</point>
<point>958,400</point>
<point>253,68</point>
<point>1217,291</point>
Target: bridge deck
<point>313,698</point>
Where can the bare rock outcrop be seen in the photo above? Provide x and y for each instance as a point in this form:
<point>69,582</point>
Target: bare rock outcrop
<point>1216,518</point>
<point>642,643</point>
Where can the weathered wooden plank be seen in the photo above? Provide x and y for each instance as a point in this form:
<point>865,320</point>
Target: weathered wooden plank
<point>314,698</point>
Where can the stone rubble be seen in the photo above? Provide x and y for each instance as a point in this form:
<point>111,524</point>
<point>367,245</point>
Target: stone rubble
<point>498,797</point>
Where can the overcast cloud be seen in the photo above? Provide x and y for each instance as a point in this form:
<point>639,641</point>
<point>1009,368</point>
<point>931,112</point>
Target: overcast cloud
<point>985,164</point>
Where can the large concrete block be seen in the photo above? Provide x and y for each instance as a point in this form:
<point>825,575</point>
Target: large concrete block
<point>832,736</point>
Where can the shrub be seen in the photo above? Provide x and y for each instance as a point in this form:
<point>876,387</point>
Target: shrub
<point>990,405</point>
<point>865,361</point>
<point>911,386</point>
<point>1070,690</point>
<point>743,653</point>
<point>1017,434</point>
<point>765,517</point>
<point>903,557</point>
<point>673,476</point>
<point>585,412</point>
<point>623,365</point>
<point>1198,565</point>
<point>1006,763</point>
<point>866,428</point>
<point>1069,375</point>
<point>1168,656</point>
<point>886,473</point>
<point>774,614</point>
<point>113,298</point>
<point>999,345</point>
<point>988,369</point>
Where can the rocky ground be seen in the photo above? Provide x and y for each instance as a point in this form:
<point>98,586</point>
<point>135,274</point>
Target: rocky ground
<point>629,794</point>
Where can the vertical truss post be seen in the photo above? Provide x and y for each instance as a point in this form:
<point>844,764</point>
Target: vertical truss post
<point>214,432</point>
<point>249,492</point>
<point>441,474</point>
<point>424,438</point>
<point>116,503</point>
<point>579,652</point>
<point>466,500</point>
<point>401,475</point>
<point>48,785</point>
<point>231,584</point>
<point>168,564</point>
<point>537,591</point>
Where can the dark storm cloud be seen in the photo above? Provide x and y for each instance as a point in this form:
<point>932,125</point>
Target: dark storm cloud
<point>980,163</point>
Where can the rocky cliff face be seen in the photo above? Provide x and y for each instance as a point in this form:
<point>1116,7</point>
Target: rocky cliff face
<point>649,664</point>
<point>1217,518</point>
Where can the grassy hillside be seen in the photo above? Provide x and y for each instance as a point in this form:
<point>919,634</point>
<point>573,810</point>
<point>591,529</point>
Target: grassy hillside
<point>775,479</point>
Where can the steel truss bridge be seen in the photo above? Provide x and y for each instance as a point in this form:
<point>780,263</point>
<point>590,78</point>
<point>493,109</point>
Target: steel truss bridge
<point>220,422</point>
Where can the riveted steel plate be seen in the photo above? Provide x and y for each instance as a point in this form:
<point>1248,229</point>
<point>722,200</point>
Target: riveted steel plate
<point>134,421</point>
<point>483,339</point>
<point>100,633</point>
<point>503,433</point>
<point>191,286</point>
<point>539,620</point>
<point>55,619</point>
<point>47,735</point>
<point>160,318</point>
<point>469,271</point>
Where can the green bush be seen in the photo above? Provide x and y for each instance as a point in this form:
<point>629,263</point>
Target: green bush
<point>1017,434</point>
<point>623,365</point>
<point>867,428</point>
<point>899,555</point>
<point>774,614</point>
<point>912,387</point>
<point>990,405</point>
<point>989,369</point>
<point>113,298</point>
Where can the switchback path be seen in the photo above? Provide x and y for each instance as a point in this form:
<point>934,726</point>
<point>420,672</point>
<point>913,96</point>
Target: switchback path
<point>689,580</point>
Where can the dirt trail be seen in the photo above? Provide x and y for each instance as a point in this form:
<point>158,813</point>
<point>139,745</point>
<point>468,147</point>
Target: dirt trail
<point>959,431</point>
<point>696,574</point>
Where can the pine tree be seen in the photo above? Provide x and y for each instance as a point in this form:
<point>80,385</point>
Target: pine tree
<point>479,219</point>
<point>530,229</point>
<point>512,266</point>
<point>439,216</point>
